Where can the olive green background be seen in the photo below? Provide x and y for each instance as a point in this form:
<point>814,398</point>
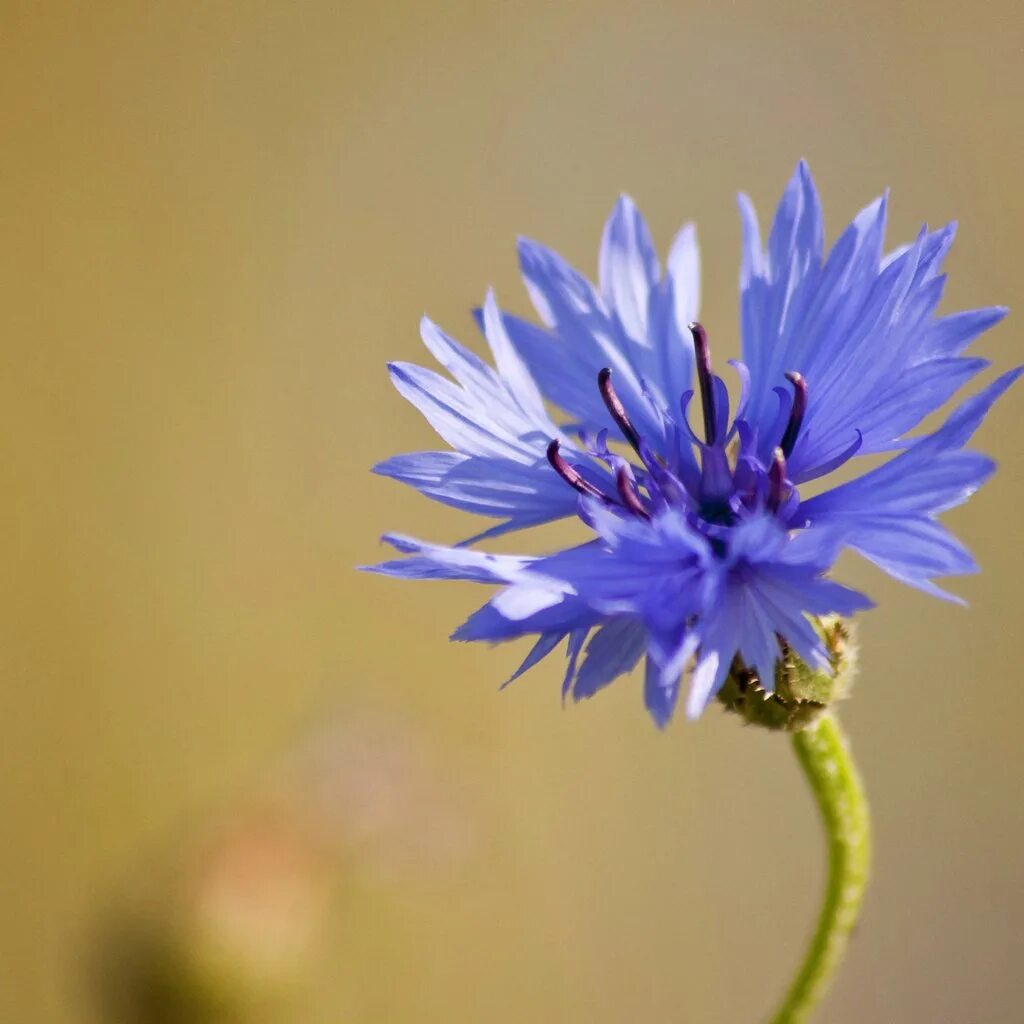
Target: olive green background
<point>218,221</point>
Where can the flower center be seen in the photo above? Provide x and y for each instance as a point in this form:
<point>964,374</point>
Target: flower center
<point>727,479</point>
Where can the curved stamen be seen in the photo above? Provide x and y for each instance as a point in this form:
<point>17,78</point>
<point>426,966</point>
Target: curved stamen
<point>704,376</point>
<point>776,480</point>
<point>624,482</point>
<point>796,413</point>
<point>572,476</point>
<point>617,409</point>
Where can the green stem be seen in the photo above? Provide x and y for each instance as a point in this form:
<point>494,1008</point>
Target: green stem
<point>825,758</point>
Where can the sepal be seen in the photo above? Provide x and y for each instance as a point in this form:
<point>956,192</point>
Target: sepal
<point>801,691</point>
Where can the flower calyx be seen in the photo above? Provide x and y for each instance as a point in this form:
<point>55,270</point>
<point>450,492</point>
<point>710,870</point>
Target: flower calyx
<point>802,692</point>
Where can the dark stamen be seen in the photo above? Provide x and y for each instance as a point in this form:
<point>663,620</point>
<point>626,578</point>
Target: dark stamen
<point>707,392</point>
<point>776,480</point>
<point>628,494</point>
<point>571,476</point>
<point>617,409</point>
<point>796,413</point>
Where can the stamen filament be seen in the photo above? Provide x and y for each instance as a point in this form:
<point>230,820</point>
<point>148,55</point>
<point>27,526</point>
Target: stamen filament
<point>616,409</point>
<point>796,413</point>
<point>628,493</point>
<point>776,480</point>
<point>572,476</point>
<point>702,351</point>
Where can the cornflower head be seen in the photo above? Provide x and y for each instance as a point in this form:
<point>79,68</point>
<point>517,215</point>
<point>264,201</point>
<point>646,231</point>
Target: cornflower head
<point>700,554</point>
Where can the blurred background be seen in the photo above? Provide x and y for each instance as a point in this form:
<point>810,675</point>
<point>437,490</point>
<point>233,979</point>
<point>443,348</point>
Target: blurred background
<point>242,782</point>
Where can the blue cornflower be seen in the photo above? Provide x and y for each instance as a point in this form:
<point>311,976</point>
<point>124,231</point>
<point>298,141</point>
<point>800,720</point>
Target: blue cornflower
<point>701,549</point>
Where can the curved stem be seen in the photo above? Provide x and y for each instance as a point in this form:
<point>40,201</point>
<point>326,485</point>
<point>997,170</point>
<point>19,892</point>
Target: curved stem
<point>825,758</point>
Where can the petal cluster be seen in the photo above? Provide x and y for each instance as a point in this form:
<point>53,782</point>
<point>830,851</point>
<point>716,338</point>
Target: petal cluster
<point>698,547</point>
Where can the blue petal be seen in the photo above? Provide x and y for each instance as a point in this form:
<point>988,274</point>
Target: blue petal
<point>613,651</point>
<point>554,362</point>
<point>540,650</point>
<point>667,366</point>
<point>801,590</point>
<point>785,273</point>
<point>779,586</point>
<point>497,423</point>
<point>859,328</point>
<point>423,470</point>
<point>668,604</point>
<point>628,267</point>
<point>879,422</point>
<point>719,642</point>
<point>588,337</point>
<point>489,624</point>
<point>576,640</point>
<point>466,367</point>
<point>950,335</point>
<point>968,417</point>
<point>436,562</point>
<point>683,273</point>
<point>913,550</point>
<point>636,326</point>
<point>466,422</point>
<point>905,486</point>
<point>661,692</point>
<point>511,368</point>
<point>929,477</point>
